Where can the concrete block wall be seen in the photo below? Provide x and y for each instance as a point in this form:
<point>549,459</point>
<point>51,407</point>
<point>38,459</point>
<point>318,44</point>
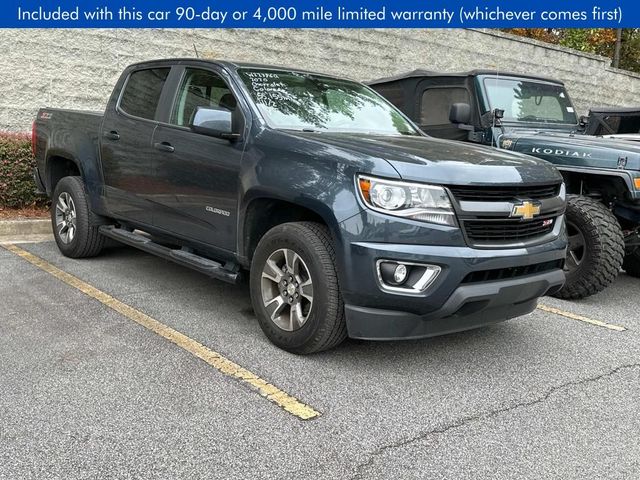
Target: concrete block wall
<point>77,68</point>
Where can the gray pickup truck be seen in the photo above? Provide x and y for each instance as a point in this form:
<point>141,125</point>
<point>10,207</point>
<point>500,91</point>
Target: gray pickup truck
<point>350,221</point>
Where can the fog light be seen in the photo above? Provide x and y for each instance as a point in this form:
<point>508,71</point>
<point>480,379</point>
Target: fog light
<point>407,277</point>
<point>400,274</point>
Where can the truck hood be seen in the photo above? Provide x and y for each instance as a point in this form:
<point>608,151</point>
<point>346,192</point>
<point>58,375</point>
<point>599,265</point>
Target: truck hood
<point>427,159</point>
<point>574,149</point>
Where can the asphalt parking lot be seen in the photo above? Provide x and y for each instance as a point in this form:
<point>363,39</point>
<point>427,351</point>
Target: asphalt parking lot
<point>89,390</point>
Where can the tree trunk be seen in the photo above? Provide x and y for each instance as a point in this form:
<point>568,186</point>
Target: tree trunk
<point>616,52</point>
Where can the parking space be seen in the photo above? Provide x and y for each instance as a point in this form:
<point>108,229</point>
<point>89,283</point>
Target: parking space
<point>89,391</point>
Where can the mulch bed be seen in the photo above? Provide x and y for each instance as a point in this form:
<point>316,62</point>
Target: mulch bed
<point>24,213</point>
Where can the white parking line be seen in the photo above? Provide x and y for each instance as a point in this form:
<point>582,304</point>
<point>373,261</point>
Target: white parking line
<point>575,316</point>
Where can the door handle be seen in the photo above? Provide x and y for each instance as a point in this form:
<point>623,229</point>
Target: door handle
<point>112,135</point>
<point>164,147</point>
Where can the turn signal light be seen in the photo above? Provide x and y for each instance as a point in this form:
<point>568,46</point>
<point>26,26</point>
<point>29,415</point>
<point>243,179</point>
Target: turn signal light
<point>365,187</point>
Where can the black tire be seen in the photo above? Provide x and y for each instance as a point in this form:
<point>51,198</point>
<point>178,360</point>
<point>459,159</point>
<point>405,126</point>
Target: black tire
<point>86,240</point>
<point>602,248</point>
<point>631,263</point>
<point>325,326</point>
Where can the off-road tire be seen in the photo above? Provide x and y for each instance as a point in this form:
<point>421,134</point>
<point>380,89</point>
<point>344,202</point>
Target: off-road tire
<point>604,248</point>
<point>87,241</point>
<point>631,263</point>
<point>325,325</point>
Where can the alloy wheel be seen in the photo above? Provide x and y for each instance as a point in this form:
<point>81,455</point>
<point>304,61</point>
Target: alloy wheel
<point>66,218</point>
<point>287,289</point>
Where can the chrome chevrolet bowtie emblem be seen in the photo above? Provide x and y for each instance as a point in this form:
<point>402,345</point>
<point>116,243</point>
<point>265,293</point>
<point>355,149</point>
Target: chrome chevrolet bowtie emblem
<point>526,210</point>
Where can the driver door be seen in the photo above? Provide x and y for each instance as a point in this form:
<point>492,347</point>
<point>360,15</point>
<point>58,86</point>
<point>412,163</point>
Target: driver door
<point>199,173</point>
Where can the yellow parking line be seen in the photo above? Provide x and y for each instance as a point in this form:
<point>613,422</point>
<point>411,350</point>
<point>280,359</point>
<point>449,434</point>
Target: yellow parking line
<point>216,360</point>
<point>581,318</point>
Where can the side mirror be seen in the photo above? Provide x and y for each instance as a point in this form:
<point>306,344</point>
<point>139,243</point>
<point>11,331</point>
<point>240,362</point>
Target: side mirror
<point>215,122</point>
<point>583,123</point>
<point>460,113</point>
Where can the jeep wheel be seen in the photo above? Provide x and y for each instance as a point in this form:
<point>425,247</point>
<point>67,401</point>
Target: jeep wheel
<point>70,213</point>
<point>294,288</point>
<point>631,263</point>
<point>596,248</point>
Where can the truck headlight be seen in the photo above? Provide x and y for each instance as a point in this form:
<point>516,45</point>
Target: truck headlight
<point>417,201</point>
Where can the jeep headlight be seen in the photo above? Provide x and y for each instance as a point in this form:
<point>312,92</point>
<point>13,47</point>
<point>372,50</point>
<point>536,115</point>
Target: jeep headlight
<point>417,201</point>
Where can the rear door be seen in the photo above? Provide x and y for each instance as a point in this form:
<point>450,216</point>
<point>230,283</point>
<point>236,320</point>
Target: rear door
<point>126,150</point>
<point>199,174</point>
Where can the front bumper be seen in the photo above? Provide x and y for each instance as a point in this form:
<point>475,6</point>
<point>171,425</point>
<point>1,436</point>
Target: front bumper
<point>470,306</point>
<point>452,302</point>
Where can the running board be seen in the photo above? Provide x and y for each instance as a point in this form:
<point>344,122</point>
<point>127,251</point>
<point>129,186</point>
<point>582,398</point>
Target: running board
<point>227,273</point>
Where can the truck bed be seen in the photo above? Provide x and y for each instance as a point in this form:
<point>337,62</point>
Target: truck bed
<point>65,133</point>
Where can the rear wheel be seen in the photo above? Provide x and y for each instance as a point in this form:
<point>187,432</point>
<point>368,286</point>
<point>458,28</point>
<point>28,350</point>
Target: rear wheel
<point>295,290</point>
<point>596,248</point>
<point>70,219</point>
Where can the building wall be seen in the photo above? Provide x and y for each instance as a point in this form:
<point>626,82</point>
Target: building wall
<point>77,68</point>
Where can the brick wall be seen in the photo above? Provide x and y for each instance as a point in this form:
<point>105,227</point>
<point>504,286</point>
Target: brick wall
<point>77,68</point>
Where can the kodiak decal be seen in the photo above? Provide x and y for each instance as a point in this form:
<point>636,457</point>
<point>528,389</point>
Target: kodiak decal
<point>560,152</point>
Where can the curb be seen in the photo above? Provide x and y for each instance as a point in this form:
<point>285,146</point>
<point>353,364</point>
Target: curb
<point>37,226</point>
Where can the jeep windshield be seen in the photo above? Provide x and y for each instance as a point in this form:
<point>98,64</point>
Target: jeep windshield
<point>529,101</point>
<point>302,101</point>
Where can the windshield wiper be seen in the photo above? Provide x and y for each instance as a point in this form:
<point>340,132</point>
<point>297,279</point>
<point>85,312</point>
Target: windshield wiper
<point>305,129</point>
<point>532,118</point>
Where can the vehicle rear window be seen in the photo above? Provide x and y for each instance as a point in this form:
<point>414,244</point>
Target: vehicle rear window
<point>395,94</point>
<point>142,92</point>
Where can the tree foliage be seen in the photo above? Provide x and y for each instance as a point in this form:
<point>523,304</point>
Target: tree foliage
<point>600,41</point>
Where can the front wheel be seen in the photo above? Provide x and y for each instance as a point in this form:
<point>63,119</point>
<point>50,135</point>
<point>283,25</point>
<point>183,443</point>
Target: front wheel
<point>70,219</point>
<point>596,248</point>
<point>294,288</point>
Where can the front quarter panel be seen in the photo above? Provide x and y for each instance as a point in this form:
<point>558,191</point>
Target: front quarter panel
<point>308,173</point>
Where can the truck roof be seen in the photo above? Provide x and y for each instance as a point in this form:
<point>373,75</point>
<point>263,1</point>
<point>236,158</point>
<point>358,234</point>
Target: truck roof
<point>233,65</point>
<point>470,73</point>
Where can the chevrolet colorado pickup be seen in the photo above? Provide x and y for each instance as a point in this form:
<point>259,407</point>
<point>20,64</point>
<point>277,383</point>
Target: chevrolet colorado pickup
<point>350,221</point>
<point>534,115</point>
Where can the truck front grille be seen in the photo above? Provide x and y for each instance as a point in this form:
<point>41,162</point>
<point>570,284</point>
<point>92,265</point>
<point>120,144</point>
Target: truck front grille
<point>503,230</point>
<point>504,193</point>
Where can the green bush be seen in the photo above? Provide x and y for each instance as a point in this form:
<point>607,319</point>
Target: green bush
<point>17,188</point>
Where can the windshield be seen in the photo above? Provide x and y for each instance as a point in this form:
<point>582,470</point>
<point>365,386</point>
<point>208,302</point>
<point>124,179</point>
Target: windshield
<point>530,101</point>
<point>302,101</point>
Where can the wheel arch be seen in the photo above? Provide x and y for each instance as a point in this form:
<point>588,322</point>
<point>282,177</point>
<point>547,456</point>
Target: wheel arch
<point>601,182</point>
<point>264,212</point>
<point>60,165</point>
